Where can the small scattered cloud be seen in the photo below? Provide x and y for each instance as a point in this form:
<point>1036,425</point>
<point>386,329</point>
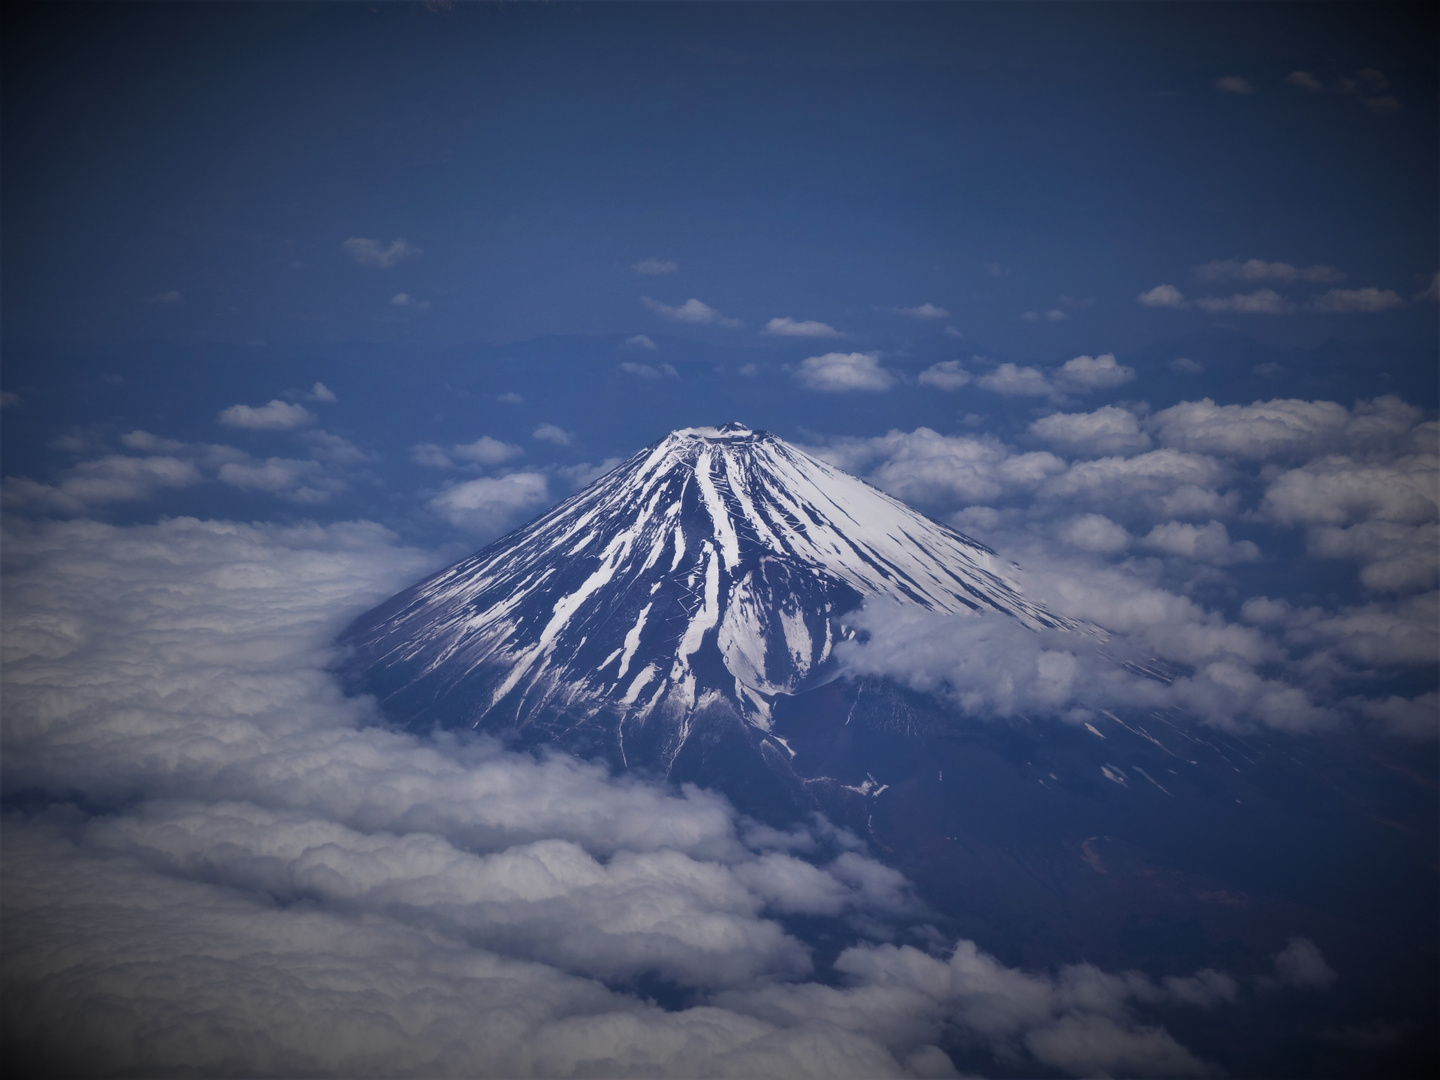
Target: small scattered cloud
<point>368,252</point>
<point>837,372</point>
<point>165,299</point>
<point>1163,296</point>
<point>1363,301</point>
<point>1095,532</point>
<point>640,341</point>
<point>1093,373</point>
<point>1301,965</point>
<point>649,371</point>
<point>431,455</point>
<point>552,433</point>
<point>290,478</point>
<point>486,451</point>
<point>749,370</point>
<point>692,311</point>
<point>1208,543</point>
<point>1259,302</point>
<point>1055,315</point>
<point>1234,84</point>
<point>946,375</point>
<point>951,331</point>
<point>490,504</point>
<point>1185,366</point>
<point>1304,80</point>
<point>1431,292</point>
<point>275,416</point>
<point>655,266</point>
<point>1107,431</point>
<point>924,311</point>
<point>1260,270</point>
<point>333,449</point>
<point>1369,86</point>
<point>509,398</point>
<point>406,300</point>
<point>8,398</point>
<point>1017,381</point>
<point>808,328</point>
<point>321,392</point>
<point>1081,375</point>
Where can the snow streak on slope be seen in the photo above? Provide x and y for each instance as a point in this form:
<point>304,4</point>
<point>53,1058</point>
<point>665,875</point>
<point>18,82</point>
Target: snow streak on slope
<point>714,565</point>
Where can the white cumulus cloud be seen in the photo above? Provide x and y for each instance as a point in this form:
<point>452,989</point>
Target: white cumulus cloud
<point>1106,431</point>
<point>807,328</point>
<point>275,416</point>
<point>692,311</point>
<point>1163,296</point>
<point>836,372</point>
<point>1085,373</point>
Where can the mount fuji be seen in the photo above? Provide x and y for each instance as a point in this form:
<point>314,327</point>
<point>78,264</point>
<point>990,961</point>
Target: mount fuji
<point>668,606</point>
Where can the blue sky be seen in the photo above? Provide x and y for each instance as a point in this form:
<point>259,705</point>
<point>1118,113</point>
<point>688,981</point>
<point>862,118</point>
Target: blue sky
<point>303,302</point>
<point>816,162</point>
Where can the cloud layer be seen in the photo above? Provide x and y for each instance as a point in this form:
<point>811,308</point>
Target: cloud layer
<point>1128,516</point>
<point>279,886</point>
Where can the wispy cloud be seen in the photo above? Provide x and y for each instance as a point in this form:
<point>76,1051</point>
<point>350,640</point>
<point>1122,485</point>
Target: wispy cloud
<point>490,504</point>
<point>1367,300</point>
<point>1260,270</point>
<point>1259,302</point>
<point>1234,84</point>
<point>165,299</point>
<point>924,311</point>
<point>552,433</point>
<point>649,371</point>
<point>640,341</point>
<point>369,252</point>
<point>946,375</point>
<point>655,266</point>
<point>1304,80</point>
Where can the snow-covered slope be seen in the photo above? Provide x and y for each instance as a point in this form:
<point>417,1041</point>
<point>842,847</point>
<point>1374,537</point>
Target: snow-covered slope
<point>715,566</point>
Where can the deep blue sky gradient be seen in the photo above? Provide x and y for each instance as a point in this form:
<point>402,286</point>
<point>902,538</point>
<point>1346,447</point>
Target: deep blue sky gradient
<point>816,161</point>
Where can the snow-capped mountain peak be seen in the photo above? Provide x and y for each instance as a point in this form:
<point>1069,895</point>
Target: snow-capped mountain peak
<point>714,567</point>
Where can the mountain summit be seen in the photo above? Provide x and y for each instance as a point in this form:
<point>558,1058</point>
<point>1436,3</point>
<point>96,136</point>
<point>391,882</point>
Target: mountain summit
<point>704,577</point>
